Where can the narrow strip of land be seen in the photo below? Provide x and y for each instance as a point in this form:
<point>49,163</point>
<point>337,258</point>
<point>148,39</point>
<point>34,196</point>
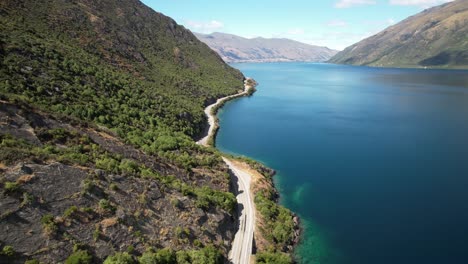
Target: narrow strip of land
<point>212,119</point>
<point>241,250</point>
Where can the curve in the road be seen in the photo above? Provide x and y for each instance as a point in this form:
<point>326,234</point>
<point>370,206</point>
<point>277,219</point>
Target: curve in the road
<point>242,245</point>
<point>211,118</point>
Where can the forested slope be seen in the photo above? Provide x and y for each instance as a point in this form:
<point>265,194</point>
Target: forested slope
<point>100,102</point>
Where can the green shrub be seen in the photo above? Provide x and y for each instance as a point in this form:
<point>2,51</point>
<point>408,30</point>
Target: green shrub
<point>106,205</point>
<point>207,196</point>
<point>270,257</point>
<point>108,164</point>
<point>130,249</point>
<point>207,255</point>
<point>11,187</point>
<point>48,224</point>
<point>79,257</point>
<point>128,166</point>
<point>176,203</point>
<point>70,211</point>
<point>179,231</point>
<point>88,186</point>
<point>27,199</point>
<point>163,256</point>
<point>8,251</point>
<point>47,219</point>
<point>74,158</point>
<point>113,187</point>
<point>88,210</point>
<point>183,257</point>
<point>59,134</point>
<point>197,243</point>
<point>278,220</point>
<point>166,143</point>
<point>96,233</point>
<point>77,246</point>
<point>119,258</point>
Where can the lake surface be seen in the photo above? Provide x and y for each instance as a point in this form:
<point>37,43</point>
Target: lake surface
<point>375,161</point>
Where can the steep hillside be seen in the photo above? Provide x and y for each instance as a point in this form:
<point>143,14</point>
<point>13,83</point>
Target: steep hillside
<point>99,104</point>
<point>237,49</point>
<point>437,37</point>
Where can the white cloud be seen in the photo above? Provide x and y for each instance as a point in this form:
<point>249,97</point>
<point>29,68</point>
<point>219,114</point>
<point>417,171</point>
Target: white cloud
<point>421,3</point>
<point>350,3</point>
<point>204,27</point>
<point>337,23</point>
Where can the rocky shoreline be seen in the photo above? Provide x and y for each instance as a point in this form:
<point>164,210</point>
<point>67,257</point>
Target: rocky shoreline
<point>298,228</point>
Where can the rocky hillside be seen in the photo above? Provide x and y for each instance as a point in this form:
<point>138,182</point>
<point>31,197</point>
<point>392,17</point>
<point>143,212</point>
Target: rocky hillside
<point>237,49</point>
<point>436,37</point>
<point>99,104</point>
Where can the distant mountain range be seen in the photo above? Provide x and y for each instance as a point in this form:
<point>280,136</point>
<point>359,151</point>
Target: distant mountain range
<point>233,48</point>
<point>436,37</point>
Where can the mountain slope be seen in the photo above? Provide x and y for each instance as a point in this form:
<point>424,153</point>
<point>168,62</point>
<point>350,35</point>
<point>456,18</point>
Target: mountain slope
<point>237,49</point>
<point>147,50</point>
<point>437,37</point>
<point>99,104</point>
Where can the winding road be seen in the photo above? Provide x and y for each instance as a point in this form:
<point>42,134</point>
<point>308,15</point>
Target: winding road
<point>241,250</point>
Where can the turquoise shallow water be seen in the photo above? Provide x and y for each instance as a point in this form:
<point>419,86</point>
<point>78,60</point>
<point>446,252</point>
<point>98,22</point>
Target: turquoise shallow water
<point>375,161</point>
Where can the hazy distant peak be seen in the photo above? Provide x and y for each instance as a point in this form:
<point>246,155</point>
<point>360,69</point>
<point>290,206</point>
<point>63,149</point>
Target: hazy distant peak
<point>234,48</point>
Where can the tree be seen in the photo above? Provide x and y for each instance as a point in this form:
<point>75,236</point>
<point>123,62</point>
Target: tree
<point>79,257</point>
<point>163,256</point>
<point>119,258</point>
<point>272,257</point>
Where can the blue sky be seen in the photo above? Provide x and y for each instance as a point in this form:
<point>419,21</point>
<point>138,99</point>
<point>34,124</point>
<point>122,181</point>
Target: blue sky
<point>332,23</point>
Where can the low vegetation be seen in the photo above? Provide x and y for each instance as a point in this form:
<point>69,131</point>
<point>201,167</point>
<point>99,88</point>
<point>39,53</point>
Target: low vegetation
<point>207,255</point>
<point>48,224</point>
<point>79,257</point>
<point>278,226</point>
<point>8,251</point>
<point>99,198</point>
<point>271,257</point>
<point>10,187</point>
<point>277,231</point>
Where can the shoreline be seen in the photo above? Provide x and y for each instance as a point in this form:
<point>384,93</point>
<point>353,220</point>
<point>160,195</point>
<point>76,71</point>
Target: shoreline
<point>267,196</point>
<point>241,249</point>
<point>253,233</point>
<point>211,110</point>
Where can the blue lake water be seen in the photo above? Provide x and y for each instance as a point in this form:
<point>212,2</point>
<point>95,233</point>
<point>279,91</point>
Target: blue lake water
<point>375,161</point>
